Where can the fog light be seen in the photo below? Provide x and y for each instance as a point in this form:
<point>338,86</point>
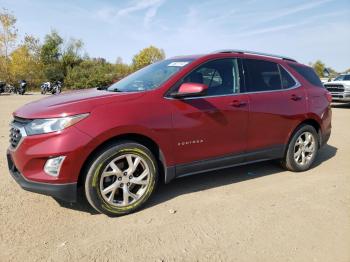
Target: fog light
<point>53,166</point>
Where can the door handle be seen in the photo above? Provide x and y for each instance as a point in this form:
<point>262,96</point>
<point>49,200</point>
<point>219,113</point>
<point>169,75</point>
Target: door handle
<point>237,103</point>
<point>295,97</point>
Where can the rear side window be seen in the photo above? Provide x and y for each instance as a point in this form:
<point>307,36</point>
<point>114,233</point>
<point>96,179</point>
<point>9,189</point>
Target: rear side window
<point>262,75</point>
<point>308,74</point>
<point>287,80</point>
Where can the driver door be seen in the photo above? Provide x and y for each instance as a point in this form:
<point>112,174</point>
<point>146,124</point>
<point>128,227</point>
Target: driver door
<point>213,125</point>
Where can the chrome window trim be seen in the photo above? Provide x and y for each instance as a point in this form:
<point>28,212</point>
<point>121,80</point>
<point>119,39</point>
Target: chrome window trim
<point>297,85</point>
<point>23,135</point>
<point>198,97</point>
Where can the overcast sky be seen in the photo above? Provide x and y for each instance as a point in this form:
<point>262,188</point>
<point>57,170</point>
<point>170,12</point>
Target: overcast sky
<point>303,29</point>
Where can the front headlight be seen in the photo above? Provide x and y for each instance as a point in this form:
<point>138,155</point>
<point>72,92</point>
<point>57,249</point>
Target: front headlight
<point>43,126</point>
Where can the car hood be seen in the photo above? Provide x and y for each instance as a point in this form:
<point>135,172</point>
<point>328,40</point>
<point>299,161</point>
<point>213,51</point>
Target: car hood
<point>72,103</point>
<point>345,83</point>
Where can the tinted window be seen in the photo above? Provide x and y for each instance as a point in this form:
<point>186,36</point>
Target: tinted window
<point>221,76</point>
<point>287,80</point>
<point>262,75</point>
<point>308,74</point>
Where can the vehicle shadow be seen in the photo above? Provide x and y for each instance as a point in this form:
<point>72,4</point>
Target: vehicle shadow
<point>227,176</point>
<point>208,180</point>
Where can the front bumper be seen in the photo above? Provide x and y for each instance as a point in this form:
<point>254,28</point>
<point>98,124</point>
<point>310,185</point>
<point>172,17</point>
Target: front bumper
<point>26,162</point>
<point>32,153</point>
<point>341,96</point>
<point>66,192</point>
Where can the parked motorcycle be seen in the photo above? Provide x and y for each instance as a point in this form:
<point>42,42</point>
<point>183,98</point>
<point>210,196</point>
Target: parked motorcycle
<point>6,88</point>
<point>22,87</point>
<point>45,87</point>
<point>2,87</point>
<point>10,89</point>
<point>55,88</point>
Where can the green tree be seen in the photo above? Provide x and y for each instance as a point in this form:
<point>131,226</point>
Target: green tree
<point>147,56</point>
<point>319,67</point>
<point>90,73</point>
<point>8,36</point>
<point>50,55</point>
<point>71,55</point>
<point>120,70</point>
<point>25,62</point>
<point>51,49</point>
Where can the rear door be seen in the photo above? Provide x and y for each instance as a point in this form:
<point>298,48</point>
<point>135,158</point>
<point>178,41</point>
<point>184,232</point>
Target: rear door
<point>276,100</point>
<point>215,124</point>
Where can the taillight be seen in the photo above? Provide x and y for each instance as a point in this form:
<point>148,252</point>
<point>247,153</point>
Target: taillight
<point>329,96</point>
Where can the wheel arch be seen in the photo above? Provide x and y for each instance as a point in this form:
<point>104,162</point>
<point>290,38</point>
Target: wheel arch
<point>133,137</point>
<point>309,121</point>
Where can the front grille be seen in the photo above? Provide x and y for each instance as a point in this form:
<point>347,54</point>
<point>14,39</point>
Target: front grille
<point>337,96</point>
<point>15,136</point>
<point>17,131</point>
<point>335,88</point>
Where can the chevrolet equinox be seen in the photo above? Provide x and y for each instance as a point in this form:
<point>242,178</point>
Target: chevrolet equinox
<point>173,118</point>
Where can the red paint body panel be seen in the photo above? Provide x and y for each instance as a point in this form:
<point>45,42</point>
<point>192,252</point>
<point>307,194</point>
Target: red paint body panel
<point>31,155</point>
<point>208,127</point>
<point>272,116</point>
<point>185,130</point>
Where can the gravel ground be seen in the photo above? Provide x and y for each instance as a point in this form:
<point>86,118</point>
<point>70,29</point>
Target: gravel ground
<point>253,213</point>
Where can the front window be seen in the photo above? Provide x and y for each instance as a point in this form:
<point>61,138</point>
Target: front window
<point>221,76</point>
<point>150,77</point>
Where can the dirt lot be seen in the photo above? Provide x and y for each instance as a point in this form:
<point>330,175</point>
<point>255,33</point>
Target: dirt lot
<point>252,213</point>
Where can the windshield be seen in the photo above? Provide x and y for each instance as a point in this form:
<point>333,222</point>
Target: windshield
<point>342,78</point>
<point>150,77</point>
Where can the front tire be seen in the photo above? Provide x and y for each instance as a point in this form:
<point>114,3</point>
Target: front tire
<point>302,149</point>
<point>121,178</point>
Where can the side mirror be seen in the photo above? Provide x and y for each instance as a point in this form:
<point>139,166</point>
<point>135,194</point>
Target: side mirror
<point>190,90</point>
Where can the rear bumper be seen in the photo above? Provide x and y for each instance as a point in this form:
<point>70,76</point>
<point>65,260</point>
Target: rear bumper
<point>66,192</point>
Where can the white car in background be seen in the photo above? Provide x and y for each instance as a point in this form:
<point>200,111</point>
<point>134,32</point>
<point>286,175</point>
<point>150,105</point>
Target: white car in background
<point>340,88</point>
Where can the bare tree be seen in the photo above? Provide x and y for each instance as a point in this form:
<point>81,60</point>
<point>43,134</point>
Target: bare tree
<point>8,36</point>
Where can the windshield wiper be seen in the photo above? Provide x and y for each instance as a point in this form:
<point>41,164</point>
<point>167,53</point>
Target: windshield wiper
<point>116,90</point>
<point>102,87</point>
<point>106,89</point>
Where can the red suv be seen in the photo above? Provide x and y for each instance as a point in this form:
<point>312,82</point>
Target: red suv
<point>174,118</point>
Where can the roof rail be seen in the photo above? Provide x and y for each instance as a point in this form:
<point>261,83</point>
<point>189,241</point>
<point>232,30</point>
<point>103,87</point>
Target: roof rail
<point>254,53</point>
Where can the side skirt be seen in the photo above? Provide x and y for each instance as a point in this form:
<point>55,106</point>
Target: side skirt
<point>224,162</point>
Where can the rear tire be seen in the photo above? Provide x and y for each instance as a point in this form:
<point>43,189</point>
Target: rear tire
<point>302,149</point>
<point>121,178</point>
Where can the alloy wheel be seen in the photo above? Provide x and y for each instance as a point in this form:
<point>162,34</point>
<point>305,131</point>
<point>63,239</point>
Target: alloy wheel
<point>304,148</point>
<point>124,180</point>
